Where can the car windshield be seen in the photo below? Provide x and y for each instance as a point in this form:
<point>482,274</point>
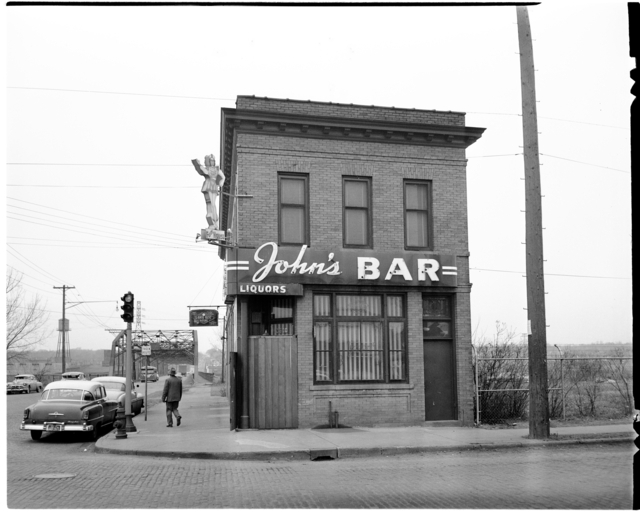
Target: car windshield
<point>21,377</point>
<point>114,385</point>
<point>62,394</point>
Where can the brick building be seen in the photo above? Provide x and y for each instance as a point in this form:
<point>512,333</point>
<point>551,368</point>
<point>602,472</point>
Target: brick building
<point>347,270</point>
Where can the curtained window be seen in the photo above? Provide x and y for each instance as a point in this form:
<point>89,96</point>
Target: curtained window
<point>370,338</point>
<point>417,215</point>
<point>294,209</point>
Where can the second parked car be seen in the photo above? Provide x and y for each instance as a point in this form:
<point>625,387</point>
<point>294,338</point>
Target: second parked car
<point>116,390</point>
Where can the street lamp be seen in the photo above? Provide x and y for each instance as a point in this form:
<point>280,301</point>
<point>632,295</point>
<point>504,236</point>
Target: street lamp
<point>564,417</point>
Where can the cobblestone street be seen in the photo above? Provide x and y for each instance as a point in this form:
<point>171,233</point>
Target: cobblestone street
<point>564,477</point>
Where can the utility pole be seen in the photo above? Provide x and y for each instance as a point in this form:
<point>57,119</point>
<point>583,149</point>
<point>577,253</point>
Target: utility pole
<point>64,289</point>
<point>538,384</point>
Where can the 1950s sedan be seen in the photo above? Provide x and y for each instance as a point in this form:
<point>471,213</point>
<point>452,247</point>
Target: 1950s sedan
<point>116,390</point>
<point>70,406</point>
<point>25,383</point>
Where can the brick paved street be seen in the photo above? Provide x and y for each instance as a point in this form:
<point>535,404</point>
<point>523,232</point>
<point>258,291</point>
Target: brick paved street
<point>573,476</point>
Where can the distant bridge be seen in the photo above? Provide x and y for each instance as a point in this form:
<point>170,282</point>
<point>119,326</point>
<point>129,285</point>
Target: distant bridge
<point>168,348</point>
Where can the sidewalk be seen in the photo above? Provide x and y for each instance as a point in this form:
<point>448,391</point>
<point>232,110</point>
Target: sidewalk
<point>204,434</point>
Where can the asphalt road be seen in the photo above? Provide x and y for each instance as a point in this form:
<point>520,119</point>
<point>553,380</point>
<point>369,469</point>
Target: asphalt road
<point>62,471</point>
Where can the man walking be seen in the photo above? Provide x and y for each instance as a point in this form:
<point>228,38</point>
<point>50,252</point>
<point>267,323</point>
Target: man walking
<point>171,394</point>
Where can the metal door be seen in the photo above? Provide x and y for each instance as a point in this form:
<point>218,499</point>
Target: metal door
<point>439,382</point>
<point>233,358</point>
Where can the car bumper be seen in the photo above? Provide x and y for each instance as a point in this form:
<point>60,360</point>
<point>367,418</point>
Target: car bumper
<point>56,427</point>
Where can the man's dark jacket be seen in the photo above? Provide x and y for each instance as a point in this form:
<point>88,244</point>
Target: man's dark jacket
<point>172,391</point>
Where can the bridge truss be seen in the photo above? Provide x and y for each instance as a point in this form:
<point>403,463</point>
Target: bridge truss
<point>168,348</point>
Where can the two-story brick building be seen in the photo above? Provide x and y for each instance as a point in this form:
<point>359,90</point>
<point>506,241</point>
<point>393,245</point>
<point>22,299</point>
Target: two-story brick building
<point>347,270</point>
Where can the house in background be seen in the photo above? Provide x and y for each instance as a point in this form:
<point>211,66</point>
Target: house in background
<point>347,264</point>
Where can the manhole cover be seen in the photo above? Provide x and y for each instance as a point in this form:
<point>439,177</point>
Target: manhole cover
<point>56,475</point>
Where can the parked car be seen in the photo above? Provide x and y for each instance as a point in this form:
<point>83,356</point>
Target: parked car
<point>70,406</point>
<point>25,383</point>
<point>116,390</point>
<point>73,376</point>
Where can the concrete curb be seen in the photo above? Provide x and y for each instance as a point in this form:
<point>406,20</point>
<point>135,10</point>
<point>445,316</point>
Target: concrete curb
<point>343,453</point>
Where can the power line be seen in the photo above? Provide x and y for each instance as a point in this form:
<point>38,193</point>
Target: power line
<point>585,163</point>
<point>552,119</point>
<point>91,217</point>
<point>123,93</point>
<point>101,235</point>
<point>85,222</point>
<point>549,274</point>
<point>100,165</point>
<point>94,186</point>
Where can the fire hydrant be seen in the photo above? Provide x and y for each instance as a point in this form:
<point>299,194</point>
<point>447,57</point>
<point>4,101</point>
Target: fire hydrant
<point>120,424</point>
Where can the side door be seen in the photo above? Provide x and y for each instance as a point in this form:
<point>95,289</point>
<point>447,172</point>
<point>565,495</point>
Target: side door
<point>439,358</point>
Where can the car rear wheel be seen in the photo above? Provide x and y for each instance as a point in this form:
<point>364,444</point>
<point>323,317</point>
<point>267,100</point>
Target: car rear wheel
<point>36,434</point>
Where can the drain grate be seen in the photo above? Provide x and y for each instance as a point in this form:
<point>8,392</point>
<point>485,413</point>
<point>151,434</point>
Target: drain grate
<point>56,475</point>
<point>323,454</point>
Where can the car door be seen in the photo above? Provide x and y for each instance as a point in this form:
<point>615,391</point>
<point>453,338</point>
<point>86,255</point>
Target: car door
<point>110,407</point>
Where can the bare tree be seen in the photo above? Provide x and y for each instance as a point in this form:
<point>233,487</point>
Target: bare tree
<point>620,373</point>
<point>26,319</point>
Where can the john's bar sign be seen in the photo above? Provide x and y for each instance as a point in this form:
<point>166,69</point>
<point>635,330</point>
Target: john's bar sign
<point>282,265</point>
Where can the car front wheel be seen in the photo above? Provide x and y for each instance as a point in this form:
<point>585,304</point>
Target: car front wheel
<point>36,434</point>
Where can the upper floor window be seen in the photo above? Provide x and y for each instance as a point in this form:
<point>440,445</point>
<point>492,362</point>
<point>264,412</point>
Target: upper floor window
<point>293,191</point>
<point>417,215</point>
<point>357,212</point>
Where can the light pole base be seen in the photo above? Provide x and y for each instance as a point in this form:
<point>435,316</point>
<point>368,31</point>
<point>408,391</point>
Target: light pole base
<point>129,426</point>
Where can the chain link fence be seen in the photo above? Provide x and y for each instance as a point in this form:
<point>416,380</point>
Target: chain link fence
<point>579,387</point>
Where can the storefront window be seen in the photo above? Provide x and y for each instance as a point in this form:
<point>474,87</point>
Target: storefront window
<point>272,316</point>
<point>370,340</point>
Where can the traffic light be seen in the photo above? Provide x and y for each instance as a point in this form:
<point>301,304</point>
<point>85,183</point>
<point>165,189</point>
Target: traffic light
<point>127,307</point>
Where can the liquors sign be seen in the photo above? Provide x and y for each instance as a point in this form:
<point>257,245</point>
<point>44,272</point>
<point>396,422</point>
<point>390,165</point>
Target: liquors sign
<point>270,266</point>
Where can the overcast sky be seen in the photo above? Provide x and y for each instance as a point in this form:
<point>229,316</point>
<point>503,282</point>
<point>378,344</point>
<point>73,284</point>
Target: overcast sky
<point>106,107</point>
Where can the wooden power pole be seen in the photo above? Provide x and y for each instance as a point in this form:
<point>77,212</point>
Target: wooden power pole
<point>538,385</point>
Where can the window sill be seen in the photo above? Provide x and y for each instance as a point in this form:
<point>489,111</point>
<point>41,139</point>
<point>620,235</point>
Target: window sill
<point>360,387</point>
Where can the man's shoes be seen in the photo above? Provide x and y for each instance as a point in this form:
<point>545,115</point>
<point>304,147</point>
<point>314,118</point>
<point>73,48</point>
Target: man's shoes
<point>179,418</point>
<point>169,425</point>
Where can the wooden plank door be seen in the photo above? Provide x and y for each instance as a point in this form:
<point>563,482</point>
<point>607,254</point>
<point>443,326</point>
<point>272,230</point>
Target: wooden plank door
<point>273,382</point>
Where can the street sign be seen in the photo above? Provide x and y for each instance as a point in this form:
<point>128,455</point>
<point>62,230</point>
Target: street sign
<point>146,350</point>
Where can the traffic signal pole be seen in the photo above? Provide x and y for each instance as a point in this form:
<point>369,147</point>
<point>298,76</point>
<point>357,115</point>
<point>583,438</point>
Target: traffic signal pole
<point>127,316</point>
<point>129,426</point>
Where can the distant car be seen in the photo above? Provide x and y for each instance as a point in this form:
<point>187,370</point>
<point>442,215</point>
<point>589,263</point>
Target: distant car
<point>70,406</point>
<point>116,390</point>
<point>149,373</point>
<point>73,376</point>
<point>25,383</point>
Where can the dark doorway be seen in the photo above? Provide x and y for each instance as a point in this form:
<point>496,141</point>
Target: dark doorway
<point>439,389</point>
<point>439,360</point>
